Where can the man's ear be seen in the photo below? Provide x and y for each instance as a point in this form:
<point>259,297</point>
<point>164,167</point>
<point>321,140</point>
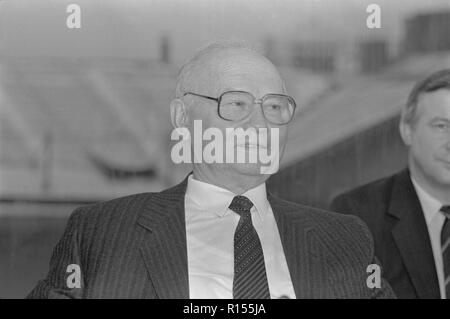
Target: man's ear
<point>405,132</point>
<point>178,113</point>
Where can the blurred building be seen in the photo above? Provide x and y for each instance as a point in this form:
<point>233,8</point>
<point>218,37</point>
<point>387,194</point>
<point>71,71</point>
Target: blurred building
<point>165,54</point>
<point>83,128</point>
<point>365,56</point>
<point>428,32</point>
<point>315,56</point>
<point>373,55</point>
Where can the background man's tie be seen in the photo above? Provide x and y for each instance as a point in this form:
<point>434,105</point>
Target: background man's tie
<point>250,279</point>
<point>445,244</point>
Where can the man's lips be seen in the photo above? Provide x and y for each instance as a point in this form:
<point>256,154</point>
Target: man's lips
<point>445,162</point>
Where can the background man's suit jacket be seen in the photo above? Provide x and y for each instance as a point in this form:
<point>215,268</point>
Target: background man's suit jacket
<point>392,210</point>
<point>135,247</point>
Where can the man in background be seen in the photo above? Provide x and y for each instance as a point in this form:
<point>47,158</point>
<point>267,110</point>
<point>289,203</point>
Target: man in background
<point>408,213</point>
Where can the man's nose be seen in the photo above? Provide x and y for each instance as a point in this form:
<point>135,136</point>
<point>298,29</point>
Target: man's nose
<point>256,118</point>
<point>447,145</point>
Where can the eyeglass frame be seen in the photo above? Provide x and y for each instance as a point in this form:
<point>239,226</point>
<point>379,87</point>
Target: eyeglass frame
<point>255,101</point>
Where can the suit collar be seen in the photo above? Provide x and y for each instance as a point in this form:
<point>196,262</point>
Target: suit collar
<point>404,202</point>
<point>164,244</point>
<point>216,200</point>
<point>171,198</point>
<point>295,238</point>
<point>410,234</point>
<point>430,205</point>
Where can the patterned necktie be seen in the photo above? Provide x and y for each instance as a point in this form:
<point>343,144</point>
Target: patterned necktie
<point>445,244</point>
<point>250,279</point>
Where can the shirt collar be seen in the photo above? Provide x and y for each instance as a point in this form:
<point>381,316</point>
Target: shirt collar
<point>430,205</point>
<point>216,199</point>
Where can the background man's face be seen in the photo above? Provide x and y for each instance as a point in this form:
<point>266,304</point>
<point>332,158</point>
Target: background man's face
<point>237,69</point>
<point>430,138</point>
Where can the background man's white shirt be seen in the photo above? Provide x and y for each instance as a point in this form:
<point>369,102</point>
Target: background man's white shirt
<point>435,220</point>
<point>210,228</point>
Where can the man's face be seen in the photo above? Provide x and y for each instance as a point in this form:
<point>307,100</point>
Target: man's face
<point>430,138</point>
<point>237,70</point>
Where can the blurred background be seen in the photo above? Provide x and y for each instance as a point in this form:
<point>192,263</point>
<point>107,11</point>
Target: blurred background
<point>84,112</point>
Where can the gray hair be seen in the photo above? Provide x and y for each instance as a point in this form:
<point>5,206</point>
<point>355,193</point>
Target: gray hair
<point>189,68</point>
<point>436,81</point>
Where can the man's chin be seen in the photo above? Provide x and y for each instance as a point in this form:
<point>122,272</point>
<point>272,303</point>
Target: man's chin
<point>444,178</point>
<point>441,175</point>
<point>253,169</point>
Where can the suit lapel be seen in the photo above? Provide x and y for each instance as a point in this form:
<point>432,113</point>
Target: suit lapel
<point>164,247</point>
<point>411,237</point>
<point>294,234</point>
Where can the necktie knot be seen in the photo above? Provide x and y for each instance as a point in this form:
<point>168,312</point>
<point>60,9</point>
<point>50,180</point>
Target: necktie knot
<point>446,210</point>
<point>241,204</point>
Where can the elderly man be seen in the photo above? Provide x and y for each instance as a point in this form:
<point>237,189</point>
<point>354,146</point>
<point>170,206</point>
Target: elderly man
<point>408,213</point>
<point>218,234</point>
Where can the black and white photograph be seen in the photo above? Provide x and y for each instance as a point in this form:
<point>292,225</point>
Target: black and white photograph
<point>207,150</point>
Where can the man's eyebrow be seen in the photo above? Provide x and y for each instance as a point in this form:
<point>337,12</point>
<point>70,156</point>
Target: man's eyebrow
<point>440,118</point>
<point>227,89</point>
<point>233,89</point>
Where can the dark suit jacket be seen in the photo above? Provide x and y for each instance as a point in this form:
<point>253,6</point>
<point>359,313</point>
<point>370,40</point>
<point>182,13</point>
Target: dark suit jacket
<point>135,247</point>
<point>392,210</point>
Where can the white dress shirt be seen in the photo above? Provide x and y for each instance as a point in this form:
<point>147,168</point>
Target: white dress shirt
<point>210,227</point>
<point>435,220</point>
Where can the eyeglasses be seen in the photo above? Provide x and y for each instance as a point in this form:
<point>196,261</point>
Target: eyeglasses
<point>237,105</point>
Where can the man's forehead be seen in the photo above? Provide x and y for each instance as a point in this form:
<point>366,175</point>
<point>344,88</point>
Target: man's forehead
<point>230,68</point>
<point>435,100</point>
<point>434,104</point>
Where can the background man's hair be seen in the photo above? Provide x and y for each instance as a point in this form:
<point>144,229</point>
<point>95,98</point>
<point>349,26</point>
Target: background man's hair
<point>436,81</point>
<point>193,63</point>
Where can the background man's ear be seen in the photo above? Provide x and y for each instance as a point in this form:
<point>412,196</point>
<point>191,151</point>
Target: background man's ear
<point>405,132</point>
<point>178,113</point>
